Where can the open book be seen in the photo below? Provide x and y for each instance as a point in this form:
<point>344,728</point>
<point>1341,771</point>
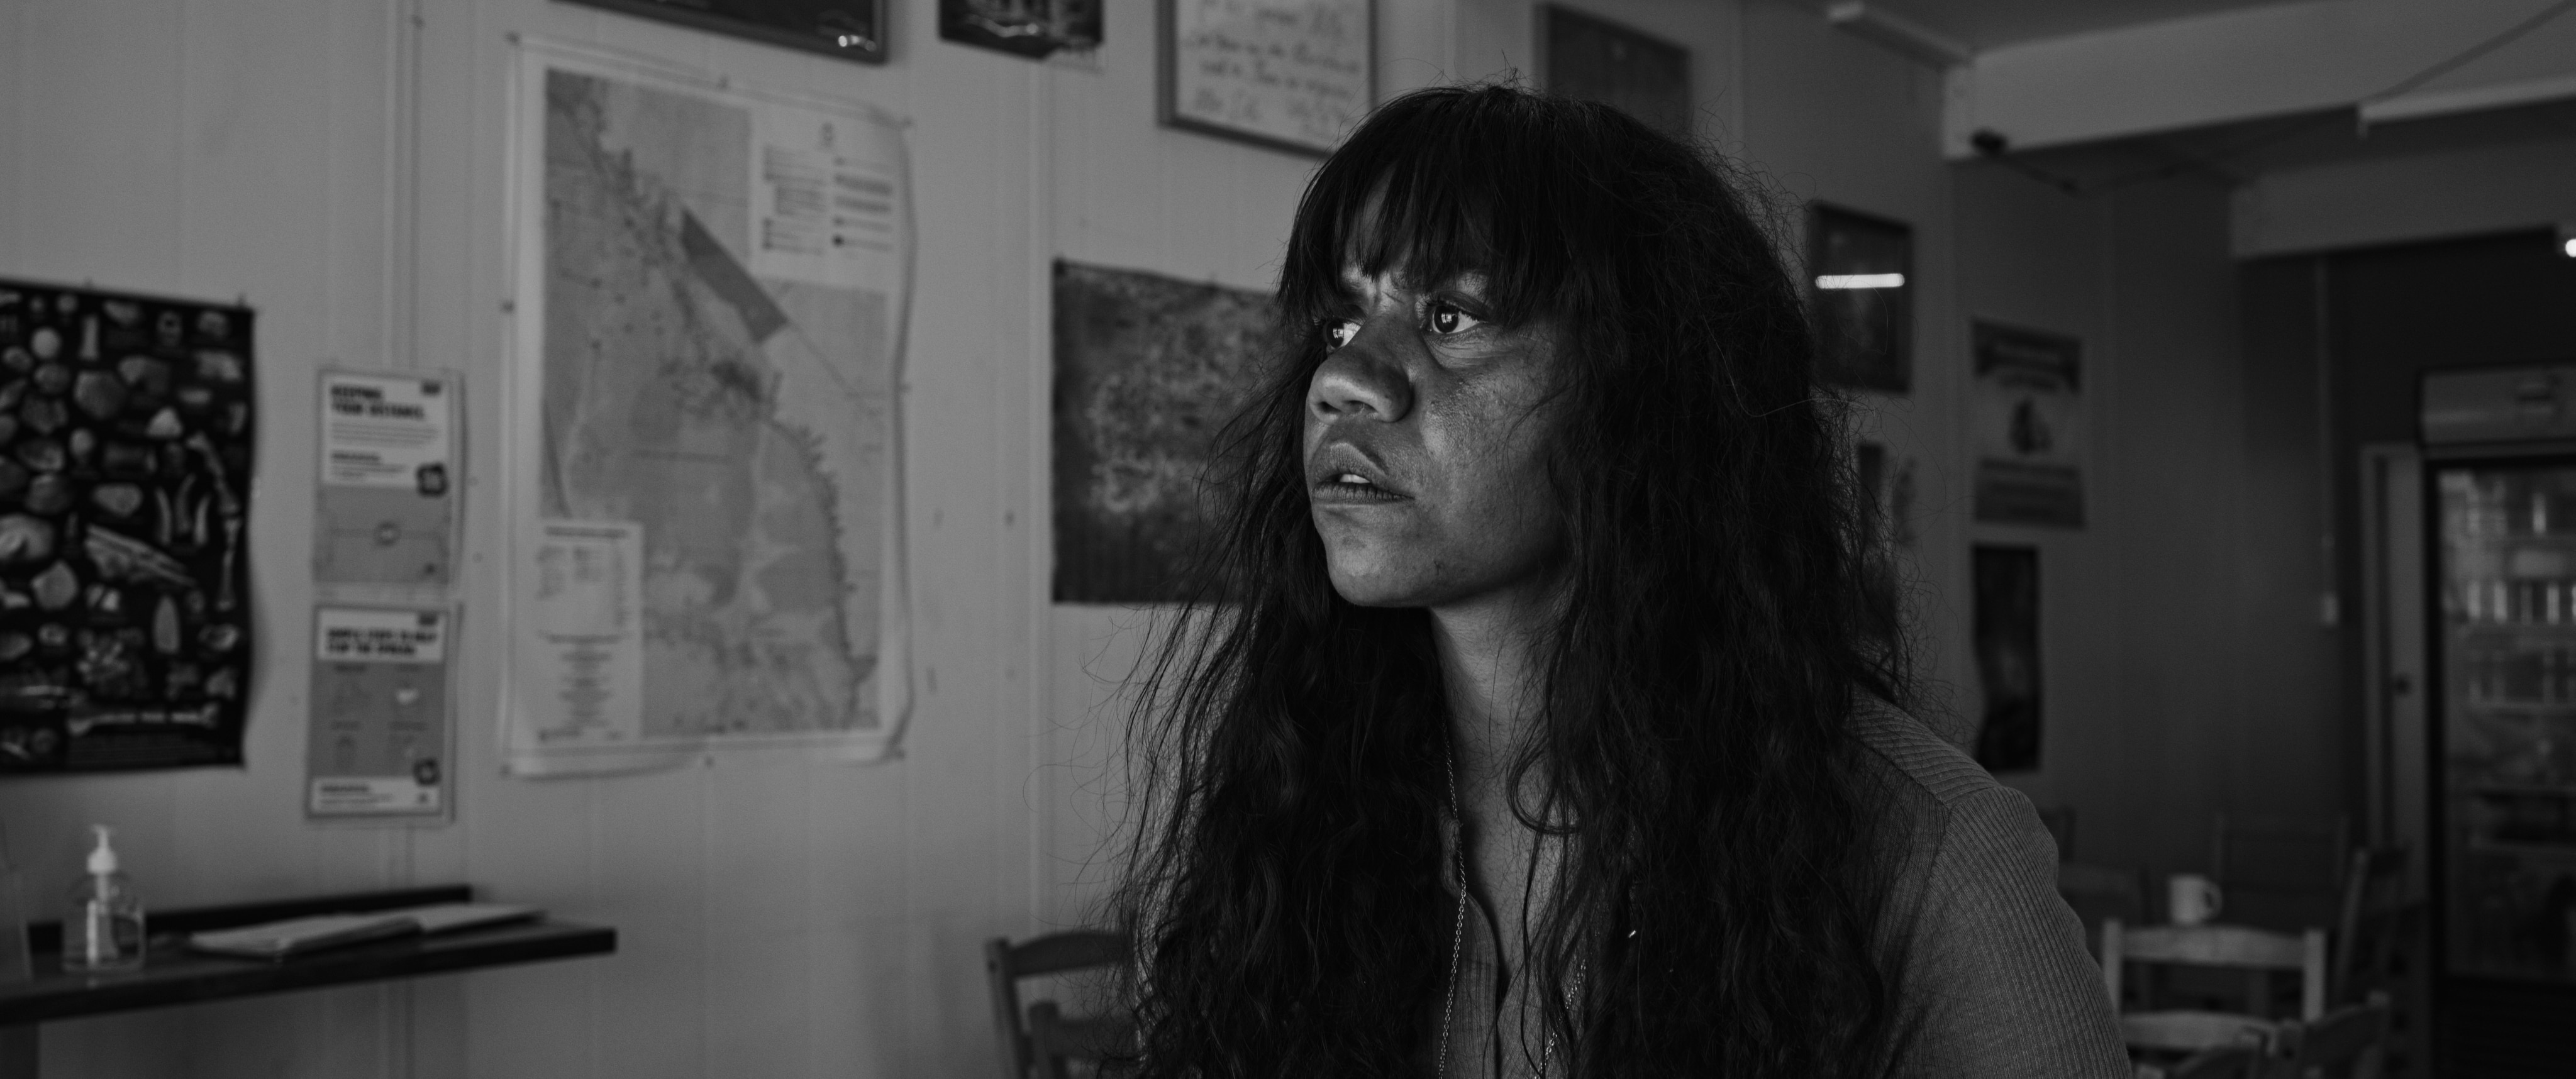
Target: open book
<point>296,936</point>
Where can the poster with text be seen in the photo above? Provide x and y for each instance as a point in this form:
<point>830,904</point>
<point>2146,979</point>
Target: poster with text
<point>379,737</point>
<point>2029,427</point>
<point>711,280</point>
<point>385,513</point>
<point>126,433</point>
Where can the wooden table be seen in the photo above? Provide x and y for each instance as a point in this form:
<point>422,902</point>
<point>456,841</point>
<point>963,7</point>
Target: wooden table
<point>171,974</point>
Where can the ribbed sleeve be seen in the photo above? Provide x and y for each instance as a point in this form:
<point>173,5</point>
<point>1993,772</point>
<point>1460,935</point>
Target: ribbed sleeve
<point>1995,978</point>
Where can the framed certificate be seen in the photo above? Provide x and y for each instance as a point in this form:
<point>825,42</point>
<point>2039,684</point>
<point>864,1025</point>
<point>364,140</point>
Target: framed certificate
<point>1293,75</point>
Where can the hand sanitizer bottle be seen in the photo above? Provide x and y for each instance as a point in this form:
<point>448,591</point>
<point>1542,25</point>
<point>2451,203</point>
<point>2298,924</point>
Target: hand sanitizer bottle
<point>105,931</point>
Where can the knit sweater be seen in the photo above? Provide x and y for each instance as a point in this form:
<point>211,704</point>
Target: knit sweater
<point>1992,978</point>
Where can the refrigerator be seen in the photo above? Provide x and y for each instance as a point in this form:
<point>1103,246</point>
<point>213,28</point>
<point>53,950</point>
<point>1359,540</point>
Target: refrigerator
<point>2499,467</point>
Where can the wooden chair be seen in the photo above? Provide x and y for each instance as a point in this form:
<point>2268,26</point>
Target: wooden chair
<point>2279,872</point>
<point>2371,930</point>
<point>2060,822</point>
<point>2257,952</point>
<point>2096,892</point>
<point>2240,1061</point>
<point>2345,1044</point>
<point>1047,1039</point>
<point>2377,950</point>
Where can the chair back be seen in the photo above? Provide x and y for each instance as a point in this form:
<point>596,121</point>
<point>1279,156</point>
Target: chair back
<point>2236,947</point>
<point>2347,1044</point>
<point>2225,1062</point>
<point>2095,892</point>
<point>2060,821</point>
<point>2369,930</point>
<point>2279,872</point>
<point>1044,1038</point>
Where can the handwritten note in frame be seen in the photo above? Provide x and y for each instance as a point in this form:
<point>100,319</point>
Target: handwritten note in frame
<point>1294,75</point>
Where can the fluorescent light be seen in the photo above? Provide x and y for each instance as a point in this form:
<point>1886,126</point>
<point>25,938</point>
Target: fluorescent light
<point>1860,280</point>
<point>2569,246</point>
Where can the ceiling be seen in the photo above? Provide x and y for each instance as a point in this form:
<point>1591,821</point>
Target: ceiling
<point>1985,24</point>
<point>2230,154</point>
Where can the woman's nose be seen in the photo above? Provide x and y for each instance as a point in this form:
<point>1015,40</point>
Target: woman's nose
<point>1360,381</point>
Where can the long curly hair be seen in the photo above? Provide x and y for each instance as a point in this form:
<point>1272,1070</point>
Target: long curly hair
<point>1284,876</point>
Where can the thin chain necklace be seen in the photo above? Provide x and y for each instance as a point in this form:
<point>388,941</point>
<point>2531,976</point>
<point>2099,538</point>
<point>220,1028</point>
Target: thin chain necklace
<point>1458,939</point>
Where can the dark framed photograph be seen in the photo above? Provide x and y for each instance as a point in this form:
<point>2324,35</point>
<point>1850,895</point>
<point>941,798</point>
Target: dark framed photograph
<point>2006,636</point>
<point>1032,28</point>
<point>1592,58</point>
<point>1861,287</point>
<point>849,29</point>
<point>1292,75</point>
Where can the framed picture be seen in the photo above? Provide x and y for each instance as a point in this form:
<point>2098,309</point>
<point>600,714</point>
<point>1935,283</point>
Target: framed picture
<point>1598,60</point>
<point>1147,371</point>
<point>1861,287</point>
<point>2007,645</point>
<point>849,29</point>
<point>1032,28</point>
<point>2027,413</point>
<point>1293,75</point>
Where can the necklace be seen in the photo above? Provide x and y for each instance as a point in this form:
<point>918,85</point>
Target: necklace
<point>1458,940</point>
<point>1458,935</point>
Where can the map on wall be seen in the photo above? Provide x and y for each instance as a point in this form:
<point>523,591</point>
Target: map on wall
<point>701,446</point>
<point>1147,372</point>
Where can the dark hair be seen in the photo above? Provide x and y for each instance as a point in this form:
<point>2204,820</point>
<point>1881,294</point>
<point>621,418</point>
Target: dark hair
<point>1720,891</point>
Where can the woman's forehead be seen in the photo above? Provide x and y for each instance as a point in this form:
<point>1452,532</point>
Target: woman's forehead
<point>1357,280</point>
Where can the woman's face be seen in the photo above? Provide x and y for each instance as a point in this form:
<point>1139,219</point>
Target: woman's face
<point>1425,429</point>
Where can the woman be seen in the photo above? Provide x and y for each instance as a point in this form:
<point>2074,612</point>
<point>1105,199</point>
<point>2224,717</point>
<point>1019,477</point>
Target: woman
<point>1547,726</point>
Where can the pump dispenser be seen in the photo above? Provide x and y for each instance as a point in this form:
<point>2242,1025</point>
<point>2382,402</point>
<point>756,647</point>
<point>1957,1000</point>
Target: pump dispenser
<point>105,931</point>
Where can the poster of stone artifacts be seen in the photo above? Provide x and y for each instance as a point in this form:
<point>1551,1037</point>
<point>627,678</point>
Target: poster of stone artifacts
<point>126,429</point>
<point>2006,633</point>
<point>1594,59</point>
<point>1147,371</point>
<point>1861,277</point>
<point>1293,75</point>
<point>1032,28</point>
<point>2028,417</point>
<point>700,433</point>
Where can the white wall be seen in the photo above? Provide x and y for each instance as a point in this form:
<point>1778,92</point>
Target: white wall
<point>2188,672</point>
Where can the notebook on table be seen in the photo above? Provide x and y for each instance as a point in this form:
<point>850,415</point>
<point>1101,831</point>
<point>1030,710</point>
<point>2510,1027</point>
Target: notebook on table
<point>298,936</point>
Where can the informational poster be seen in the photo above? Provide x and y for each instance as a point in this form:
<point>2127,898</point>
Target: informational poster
<point>577,653</point>
<point>2006,634</point>
<point>1147,370</point>
<point>382,733</point>
<point>2029,427</point>
<point>1292,74</point>
<point>126,431</point>
<point>700,424</point>
<point>385,513</point>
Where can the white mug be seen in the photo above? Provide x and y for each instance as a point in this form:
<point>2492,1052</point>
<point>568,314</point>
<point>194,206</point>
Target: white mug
<point>2191,898</point>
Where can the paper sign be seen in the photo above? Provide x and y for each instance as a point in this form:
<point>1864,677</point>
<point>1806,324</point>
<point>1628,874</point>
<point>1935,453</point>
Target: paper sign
<point>380,724</point>
<point>577,663</point>
<point>386,511</point>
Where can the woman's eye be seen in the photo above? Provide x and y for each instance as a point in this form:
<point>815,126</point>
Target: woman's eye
<point>1448,318</point>
<point>1339,332</point>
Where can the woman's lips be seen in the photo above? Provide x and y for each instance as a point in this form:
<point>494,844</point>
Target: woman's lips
<point>1351,489</point>
<point>1342,474</point>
